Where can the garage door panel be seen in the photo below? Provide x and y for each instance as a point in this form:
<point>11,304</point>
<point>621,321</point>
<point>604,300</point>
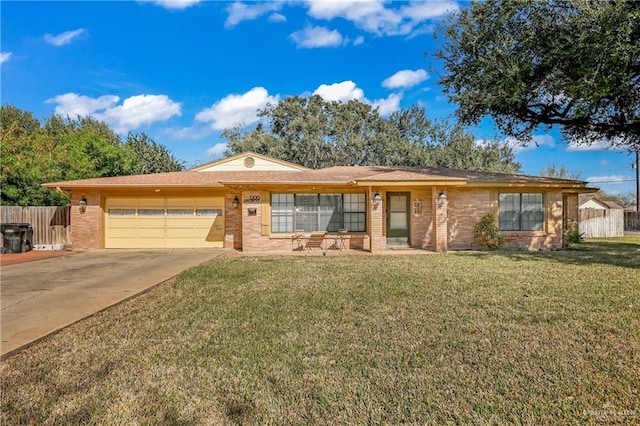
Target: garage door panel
<point>183,223</point>
<point>150,233</point>
<point>150,243</point>
<point>121,233</point>
<point>164,222</point>
<point>147,223</point>
<point>180,233</point>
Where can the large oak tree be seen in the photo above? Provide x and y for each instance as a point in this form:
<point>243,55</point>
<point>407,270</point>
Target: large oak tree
<point>526,63</point>
<point>316,133</point>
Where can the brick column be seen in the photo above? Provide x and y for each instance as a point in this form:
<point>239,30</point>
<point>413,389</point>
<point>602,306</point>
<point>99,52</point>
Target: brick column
<point>233,221</point>
<point>86,228</point>
<point>440,222</point>
<point>376,223</point>
<point>251,224</point>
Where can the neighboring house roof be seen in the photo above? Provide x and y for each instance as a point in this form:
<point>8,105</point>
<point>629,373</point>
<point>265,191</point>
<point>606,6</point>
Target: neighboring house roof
<point>632,208</point>
<point>605,204</point>
<point>209,176</point>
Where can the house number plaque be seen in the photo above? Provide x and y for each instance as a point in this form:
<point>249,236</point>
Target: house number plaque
<point>253,199</point>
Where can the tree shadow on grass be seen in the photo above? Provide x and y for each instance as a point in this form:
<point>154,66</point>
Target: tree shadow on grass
<point>606,252</point>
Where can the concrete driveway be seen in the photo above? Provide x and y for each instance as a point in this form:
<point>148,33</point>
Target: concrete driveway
<point>43,296</point>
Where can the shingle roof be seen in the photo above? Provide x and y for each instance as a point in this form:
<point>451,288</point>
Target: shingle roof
<point>340,175</point>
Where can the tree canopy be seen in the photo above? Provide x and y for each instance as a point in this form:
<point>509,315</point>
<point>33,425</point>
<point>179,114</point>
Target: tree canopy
<point>555,171</point>
<point>66,149</point>
<point>526,63</point>
<point>316,133</point>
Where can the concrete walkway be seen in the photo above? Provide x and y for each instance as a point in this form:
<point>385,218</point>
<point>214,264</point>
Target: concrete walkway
<point>43,296</point>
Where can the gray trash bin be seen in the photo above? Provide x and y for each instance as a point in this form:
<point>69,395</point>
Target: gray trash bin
<point>23,231</point>
<point>12,239</point>
<point>27,235</point>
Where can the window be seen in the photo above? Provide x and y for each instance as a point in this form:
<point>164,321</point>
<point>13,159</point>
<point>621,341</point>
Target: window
<point>521,212</point>
<point>282,207</point>
<point>122,212</point>
<point>354,212</point>
<point>150,212</point>
<point>180,212</point>
<point>208,212</point>
<point>318,212</point>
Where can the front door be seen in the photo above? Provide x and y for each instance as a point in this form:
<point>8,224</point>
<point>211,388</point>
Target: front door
<point>397,218</point>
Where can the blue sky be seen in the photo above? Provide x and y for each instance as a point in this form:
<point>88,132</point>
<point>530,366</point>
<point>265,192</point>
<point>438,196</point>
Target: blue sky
<point>182,71</point>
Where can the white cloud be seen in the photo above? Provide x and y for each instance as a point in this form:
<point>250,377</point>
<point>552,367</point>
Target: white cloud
<point>141,110</point>
<point>388,105</point>
<point>4,57</point>
<point>608,179</point>
<point>63,38</point>
<point>405,79</point>
<point>419,11</point>
<point>173,4</point>
<point>217,150</point>
<point>600,145</point>
<point>374,17</point>
<point>73,105</point>
<point>358,41</point>
<point>538,141</point>
<point>237,109</point>
<point>277,17</point>
<point>343,92</point>
<point>313,37</point>
<point>239,12</point>
<point>133,113</point>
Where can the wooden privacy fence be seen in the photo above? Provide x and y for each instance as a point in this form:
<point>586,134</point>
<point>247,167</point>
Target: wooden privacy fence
<point>51,225</point>
<point>602,223</point>
<point>632,220</point>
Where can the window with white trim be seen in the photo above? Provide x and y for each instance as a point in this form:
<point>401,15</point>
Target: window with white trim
<point>318,212</point>
<point>521,212</point>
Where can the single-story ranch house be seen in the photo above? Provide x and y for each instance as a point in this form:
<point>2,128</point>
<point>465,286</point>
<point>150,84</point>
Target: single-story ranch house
<point>251,202</point>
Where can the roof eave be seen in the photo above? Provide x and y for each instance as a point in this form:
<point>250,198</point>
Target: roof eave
<point>456,182</point>
<point>286,183</point>
<point>558,185</point>
<point>63,186</point>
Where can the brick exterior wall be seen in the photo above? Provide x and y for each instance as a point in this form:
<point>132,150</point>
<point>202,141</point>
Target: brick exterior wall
<point>252,224</point>
<point>87,228</point>
<point>440,221</point>
<point>376,223</point>
<point>435,228</point>
<point>421,229</point>
<point>465,208</point>
<point>571,210</point>
<point>233,221</point>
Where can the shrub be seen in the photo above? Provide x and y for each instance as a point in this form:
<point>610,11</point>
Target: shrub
<point>487,232</point>
<point>571,234</point>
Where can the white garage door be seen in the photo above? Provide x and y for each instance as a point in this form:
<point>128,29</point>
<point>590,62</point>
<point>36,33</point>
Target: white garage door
<point>164,222</point>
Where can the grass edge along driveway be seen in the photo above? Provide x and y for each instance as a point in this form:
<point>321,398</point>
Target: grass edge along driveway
<point>474,338</point>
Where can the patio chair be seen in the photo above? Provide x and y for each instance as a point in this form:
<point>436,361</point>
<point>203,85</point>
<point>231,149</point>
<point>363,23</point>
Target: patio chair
<point>315,241</point>
<point>297,237</point>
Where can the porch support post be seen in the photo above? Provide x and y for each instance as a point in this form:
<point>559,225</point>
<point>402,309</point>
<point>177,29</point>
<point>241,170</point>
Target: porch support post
<point>440,230</point>
<point>376,223</point>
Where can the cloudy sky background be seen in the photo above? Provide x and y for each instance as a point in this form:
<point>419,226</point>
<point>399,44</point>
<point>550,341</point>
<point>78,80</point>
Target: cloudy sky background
<point>183,71</point>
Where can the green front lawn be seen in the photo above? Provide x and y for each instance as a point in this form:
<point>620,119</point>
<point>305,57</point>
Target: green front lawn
<point>468,338</point>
